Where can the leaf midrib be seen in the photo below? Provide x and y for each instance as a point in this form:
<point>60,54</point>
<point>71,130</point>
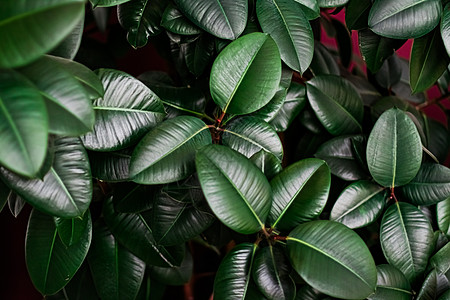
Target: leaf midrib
<point>47,267</point>
<point>424,64</point>
<point>108,108</point>
<point>65,190</point>
<point>400,11</point>
<point>249,140</point>
<point>408,244</point>
<point>363,201</point>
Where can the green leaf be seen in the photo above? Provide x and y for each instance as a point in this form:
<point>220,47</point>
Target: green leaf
<point>23,124</point>
<point>357,14</point>
<point>271,109</point>
<point>110,166</point>
<point>285,21</point>
<point>406,238</point>
<point>175,275</point>
<point>15,204</point>
<point>323,63</point>
<point>268,163</point>
<point>271,273</point>
<point>336,103</point>
<point>68,104</point>
<point>430,186</point>
<point>174,21</point>
<point>443,216</point>
<point>445,295</point>
<point>310,8</point>
<point>445,27</point>
<point>441,260</point>
<point>300,193</point>
<point>179,213</point>
<point>248,135</point>
<point>331,3</point>
<point>236,190</point>
<point>106,3</point>
<point>124,271</point>
<point>429,60</point>
<point>233,276</point>
<point>66,189</point>
<point>359,204</point>
<point>394,149</point>
<point>438,140</point>
<point>307,292</point>
<point>226,19</point>
<point>35,27</point>
<point>50,263</point>
<point>246,74</point>
<point>385,103</point>
<point>391,284</point>
<point>341,157</point>
<point>133,232</point>
<point>68,48</point>
<point>125,113</point>
<point>166,154</point>
<point>199,54</point>
<point>141,19</point>
<point>70,231</point>
<point>404,19</point>
<point>324,245</point>
<point>433,285</point>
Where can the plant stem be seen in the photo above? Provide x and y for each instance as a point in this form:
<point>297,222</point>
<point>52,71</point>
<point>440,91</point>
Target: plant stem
<point>393,195</point>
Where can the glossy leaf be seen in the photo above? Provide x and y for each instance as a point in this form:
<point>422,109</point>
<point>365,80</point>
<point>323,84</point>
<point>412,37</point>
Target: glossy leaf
<point>331,3</point>
<point>174,21</point>
<point>441,260</point>
<point>176,275</point>
<point>285,21</point>
<point>141,19</point>
<point>391,284</point>
<point>357,14</point>
<point>406,238</point>
<point>445,27</point>
<point>390,72</point>
<point>310,8</point>
<point>199,54</point>
<point>33,28</point>
<point>110,166</point>
<point>433,285</point>
<point>124,271</point>
<point>15,204</point>
<point>236,190</point>
<point>233,275</point>
<point>133,232</point>
<point>69,47</point>
<point>129,197</point>
<point>402,88</point>
<point>124,114</point>
<point>323,62</point>
<point>66,189</point>
<point>300,193</point>
<point>166,154</point>
<point>223,18</point>
<point>359,204</point>
<point>443,216</point>
<point>106,3</point>
<point>438,140</point>
<point>324,245</point>
<point>50,263</point>
<point>269,111</point>
<point>394,149</point>
<point>70,231</point>
<point>68,104</point>
<point>429,60</point>
<point>23,124</point>
<point>249,135</point>
<point>385,103</point>
<point>404,19</point>
<point>341,157</point>
<point>268,163</point>
<point>240,82</point>
<point>270,271</point>
<point>336,103</point>
<point>430,186</point>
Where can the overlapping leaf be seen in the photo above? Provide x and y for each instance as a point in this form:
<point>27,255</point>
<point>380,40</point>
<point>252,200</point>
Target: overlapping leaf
<point>331,3</point>
<point>70,231</point>
<point>391,284</point>
<point>174,21</point>
<point>357,14</point>
<point>310,8</point>
<point>110,166</point>
<point>268,163</point>
<point>443,216</point>
<point>178,275</point>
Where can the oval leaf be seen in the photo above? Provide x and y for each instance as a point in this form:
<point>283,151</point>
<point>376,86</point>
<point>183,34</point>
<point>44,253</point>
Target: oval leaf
<point>300,193</point>
<point>324,245</point>
<point>391,284</point>
<point>66,189</point>
<point>246,74</point>
<point>404,19</point>
<point>70,231</point>
<point>50,263</point>
<point>33,28</point>
<point>406,238</point>
<point>433,285</point>
<point>110,166</point>
<point>359,204</point>
<point>443,216</point>
<point>236,190</point>
<point>233,275</point>
<point>225,19</point>
<point>166,154</point>
<point>268,163</point>
<point>285,21</point>
<point>336,103</point>
<point>174,21</point>
<point>394,149</point>
<point>445,27</point>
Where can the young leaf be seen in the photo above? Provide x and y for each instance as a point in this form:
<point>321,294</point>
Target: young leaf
<point>166,154</point>
<point>285,21</point>
<point>50,263</point>
<point>359,204</point>
<point>66,189</point>
<point>248,135</point>
<point>34,27</point>
<point>324,245</point>
<point>430,186</point>
<point>223,18</point>
<point>236,190</point>
<point>246,74</point>
<point>404,19</point>
<point>406,238</point>
<point>23,124</point>
<point>125,113</point>
<point>300,193</point>
<point>125,271</point>
<point>70,231</point>
<point>336,103</point>
<point>391,284</point>
<point>443,216</point>
<point>394,149</point>
<point>233,275</point>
